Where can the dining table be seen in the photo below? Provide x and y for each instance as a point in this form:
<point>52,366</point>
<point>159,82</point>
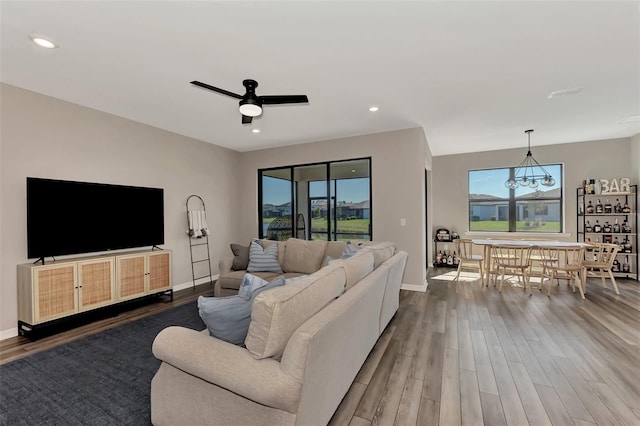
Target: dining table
<point>489,243</point>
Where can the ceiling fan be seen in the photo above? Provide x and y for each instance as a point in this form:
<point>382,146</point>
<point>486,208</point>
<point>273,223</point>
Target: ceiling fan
<point>250,103</point>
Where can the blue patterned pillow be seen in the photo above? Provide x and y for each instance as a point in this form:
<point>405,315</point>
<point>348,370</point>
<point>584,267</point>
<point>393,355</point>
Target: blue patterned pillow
<point>249,284</point>
<point>263,259</point>
<point>228,318</point>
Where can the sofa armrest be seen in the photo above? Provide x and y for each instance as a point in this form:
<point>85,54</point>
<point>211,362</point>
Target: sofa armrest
<point>228,366</point>
<point>225,264</point>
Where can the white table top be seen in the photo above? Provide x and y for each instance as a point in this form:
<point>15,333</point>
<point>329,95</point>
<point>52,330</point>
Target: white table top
<point>530,243</point>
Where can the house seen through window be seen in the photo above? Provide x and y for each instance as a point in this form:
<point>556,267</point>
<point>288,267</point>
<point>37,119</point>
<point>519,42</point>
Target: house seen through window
<point>495,208</point>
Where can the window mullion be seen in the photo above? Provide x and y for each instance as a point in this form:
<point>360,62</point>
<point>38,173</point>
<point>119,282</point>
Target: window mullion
<point>512,203</point>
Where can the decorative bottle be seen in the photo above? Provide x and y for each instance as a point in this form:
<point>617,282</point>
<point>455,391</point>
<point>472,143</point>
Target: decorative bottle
<point>616,227</point>
<point>625,266</point>
<point>606,228</point>
<point>626,208</point>
<point>607,207</point>
<point>626,227</point>
<point>616,266</point>
<point>590,209</point>
<point>450,259</point>
<point>587,227</point>
<point>618,207</point>
<point>599,207</point>
<point>597,227</point>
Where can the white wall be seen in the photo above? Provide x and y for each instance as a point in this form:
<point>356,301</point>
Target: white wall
<point>398,161</point>
<point>596,159</point>
<point>46,137</point>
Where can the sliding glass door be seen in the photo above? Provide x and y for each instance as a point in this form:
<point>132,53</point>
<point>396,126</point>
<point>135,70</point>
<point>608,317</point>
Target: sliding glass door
<point>331,201</point>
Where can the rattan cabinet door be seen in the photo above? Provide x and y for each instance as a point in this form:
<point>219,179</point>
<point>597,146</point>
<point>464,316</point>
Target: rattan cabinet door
<point>54,291</point>
<point>96,283</point>
<point>131,276</point>
<point>159,271</point>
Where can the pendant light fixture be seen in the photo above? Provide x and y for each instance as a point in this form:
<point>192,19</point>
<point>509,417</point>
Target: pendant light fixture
<point>530,173</point>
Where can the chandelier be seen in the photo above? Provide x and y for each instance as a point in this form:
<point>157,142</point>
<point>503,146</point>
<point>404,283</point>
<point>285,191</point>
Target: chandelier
<point>530,173</point>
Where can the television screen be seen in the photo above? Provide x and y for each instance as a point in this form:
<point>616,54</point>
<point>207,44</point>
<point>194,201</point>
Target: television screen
<point>65,217</point>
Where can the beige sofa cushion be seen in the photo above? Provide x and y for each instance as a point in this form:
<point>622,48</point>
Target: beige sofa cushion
<point>281,247</point>
<point>356,267</point>
<point>303,256</point>
<point>335,249</point>
<point>381,252</point>
<point>277,313</point>
<point>232,280</point>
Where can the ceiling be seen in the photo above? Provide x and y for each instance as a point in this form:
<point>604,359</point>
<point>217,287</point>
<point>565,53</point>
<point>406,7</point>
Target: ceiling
<point>474,75</point>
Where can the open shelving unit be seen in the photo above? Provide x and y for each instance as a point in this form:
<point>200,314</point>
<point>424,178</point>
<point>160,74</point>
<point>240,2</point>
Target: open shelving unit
<point>631,217</point>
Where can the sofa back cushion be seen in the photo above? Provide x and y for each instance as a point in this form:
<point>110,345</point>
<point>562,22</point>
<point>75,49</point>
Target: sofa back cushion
<point>356,267</point>
<point>381,252</point>
<point>277,314</point>
<point>335,249</point>
<point>303,256</point>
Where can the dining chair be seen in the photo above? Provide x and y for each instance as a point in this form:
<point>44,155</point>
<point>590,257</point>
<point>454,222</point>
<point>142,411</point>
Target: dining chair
<point>513,260</point>
<point>598,261</point>
<point>536,258</point>
<point>562,263</point>
<point>467,259</point>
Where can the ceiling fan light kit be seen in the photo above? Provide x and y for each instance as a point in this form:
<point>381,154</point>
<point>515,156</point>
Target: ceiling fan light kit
<point>250,103</point>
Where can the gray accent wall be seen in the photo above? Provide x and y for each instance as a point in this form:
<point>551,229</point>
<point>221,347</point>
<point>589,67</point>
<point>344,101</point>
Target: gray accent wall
<point>46,137</point>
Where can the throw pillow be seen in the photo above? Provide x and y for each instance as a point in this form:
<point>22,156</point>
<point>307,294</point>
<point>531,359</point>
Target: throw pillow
<point>228,318</point>
<point>350,250</point>
<point>249,284</point>
<point>263,259</point>
<point>241,257</point>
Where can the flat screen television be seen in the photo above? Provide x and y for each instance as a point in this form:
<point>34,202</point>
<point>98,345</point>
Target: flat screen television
<point>66,217</point>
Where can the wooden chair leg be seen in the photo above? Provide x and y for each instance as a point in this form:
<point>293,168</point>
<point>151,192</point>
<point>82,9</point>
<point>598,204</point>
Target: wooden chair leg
<point>481,272</point>
<point>577,277</point>
<point>604,284</point>
<point>527,281</point>
<point>501,280</point>
<point>613,281</point>
<point>458,273</point>
<point>553,273</point>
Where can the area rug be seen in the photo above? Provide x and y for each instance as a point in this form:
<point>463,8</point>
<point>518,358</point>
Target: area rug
<point>103,379</point>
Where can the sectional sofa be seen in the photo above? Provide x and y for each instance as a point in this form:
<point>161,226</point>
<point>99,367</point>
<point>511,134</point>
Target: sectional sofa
<point>307,340</point>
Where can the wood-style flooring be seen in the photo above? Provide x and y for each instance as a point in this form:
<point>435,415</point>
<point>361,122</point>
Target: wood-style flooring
<point>462,354</point>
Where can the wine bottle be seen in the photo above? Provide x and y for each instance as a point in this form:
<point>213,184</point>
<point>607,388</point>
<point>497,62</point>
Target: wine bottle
<point>606,228</point>
<point>590,209</point>
<point>587,227</point>
<point>626,208</point>
<point>625,266</point>
<point>618,207</point>
<point>626,245</point>
<point>616,242</point>
<point>625,227</point>
<point>616,266</point>
<point>607,207</point>
<point>599,207</point>
<point>450,259</point>
<point>597,227</point>
<point>616,227</point>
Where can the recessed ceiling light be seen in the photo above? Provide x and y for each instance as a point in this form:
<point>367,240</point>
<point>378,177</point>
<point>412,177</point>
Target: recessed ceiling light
<point>564,92</point>
<point>373,108</point>
<point>255,130</point>
<point>43,42</point>
<point>631,119</point>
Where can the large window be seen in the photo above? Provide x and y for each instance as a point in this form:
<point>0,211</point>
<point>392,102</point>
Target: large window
<point>495,208</point>
<point>321,201</point>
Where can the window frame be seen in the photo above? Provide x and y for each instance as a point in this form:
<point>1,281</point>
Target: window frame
<point>512,202</point>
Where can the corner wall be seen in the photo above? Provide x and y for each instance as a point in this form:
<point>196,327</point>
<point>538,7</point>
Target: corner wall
<point>398,161</point>
<point>46,137</point>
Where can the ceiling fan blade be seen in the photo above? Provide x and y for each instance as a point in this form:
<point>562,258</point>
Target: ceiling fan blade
<point>215,89</point>
<point>246,119</point>
<point>283,99</point>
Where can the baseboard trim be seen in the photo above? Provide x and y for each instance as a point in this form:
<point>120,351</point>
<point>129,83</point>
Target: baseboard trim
<point>189,284</point>
<point>13,332</point>
<point>415,287</point>
<point>7,334</point>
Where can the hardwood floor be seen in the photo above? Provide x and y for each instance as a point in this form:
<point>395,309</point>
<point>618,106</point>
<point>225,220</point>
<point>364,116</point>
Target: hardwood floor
<point>463,354</point>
